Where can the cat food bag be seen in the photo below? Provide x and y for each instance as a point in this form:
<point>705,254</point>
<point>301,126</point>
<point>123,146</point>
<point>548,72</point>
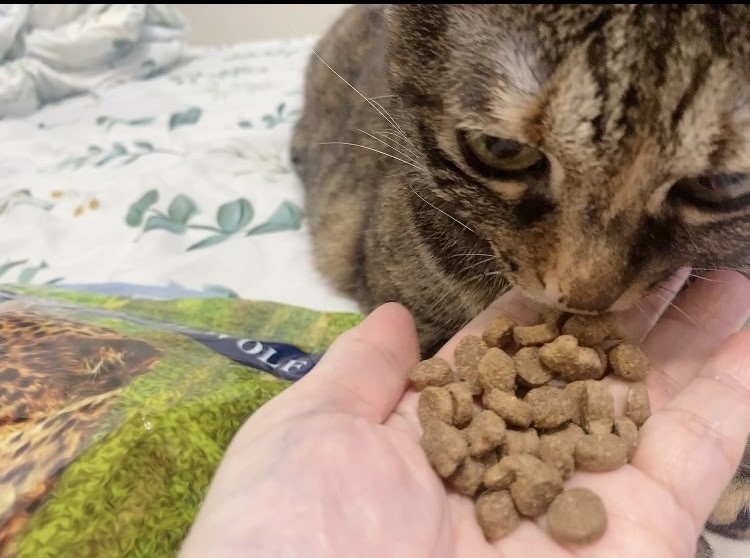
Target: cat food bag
<point>116,411</point>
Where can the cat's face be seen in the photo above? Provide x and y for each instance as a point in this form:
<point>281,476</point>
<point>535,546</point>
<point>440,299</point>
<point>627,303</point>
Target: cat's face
<point>595,148</point>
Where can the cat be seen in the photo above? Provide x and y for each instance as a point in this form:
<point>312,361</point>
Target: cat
<point>580,152</point>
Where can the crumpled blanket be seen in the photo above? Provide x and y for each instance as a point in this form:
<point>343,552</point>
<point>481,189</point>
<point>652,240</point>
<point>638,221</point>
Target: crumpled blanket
<point>48,52</point>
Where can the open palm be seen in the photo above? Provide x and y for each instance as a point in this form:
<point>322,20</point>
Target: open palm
<point>333,466</point>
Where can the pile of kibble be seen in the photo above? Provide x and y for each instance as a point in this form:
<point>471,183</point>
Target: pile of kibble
<point>523,409</point>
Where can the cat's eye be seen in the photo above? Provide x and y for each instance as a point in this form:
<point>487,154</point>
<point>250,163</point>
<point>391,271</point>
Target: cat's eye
<point>499,157</point>
<point>718,191</point>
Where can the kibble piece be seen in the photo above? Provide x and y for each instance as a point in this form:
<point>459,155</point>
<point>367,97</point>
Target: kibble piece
<point>592,330</point>
<point>467,355</point>
<point>550,406</point>
<point>575,392</point>
<point>521,441</point>
<point>628,432</point>
<point>600,452</point>
<point>576,516</point>
<point>571,362</point>
<point>496,514</point>
<point>463,403</point>
<point>499,476</point>
<point>497,370</point>
<point>529,368</point>
<point>445,447</point>
<point>511,409</point>
<point>535,487</point>
<point>468,477</point>
<point>598,408</point>
<point>431,372</point>
<point>518,462</point>
<point>500,332</point>
<point>558,452</point>
<point>638,407</point>
<point>629,362</point>
<point>570,433</point>
<point>534,335</point>
<point>435,403</point>
<point>485,433</point>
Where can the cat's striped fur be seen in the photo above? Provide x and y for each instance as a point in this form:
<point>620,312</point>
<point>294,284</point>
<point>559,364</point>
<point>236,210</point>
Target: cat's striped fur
<point>624,101</point>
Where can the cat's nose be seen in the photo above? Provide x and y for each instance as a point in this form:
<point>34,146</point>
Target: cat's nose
<point>585,296</point>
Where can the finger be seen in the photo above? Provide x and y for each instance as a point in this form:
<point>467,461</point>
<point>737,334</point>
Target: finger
<point>637,321</point>
<point>702,317</point>
<point>693,445</point>
<point>513,304</point>
<point>365,370</point>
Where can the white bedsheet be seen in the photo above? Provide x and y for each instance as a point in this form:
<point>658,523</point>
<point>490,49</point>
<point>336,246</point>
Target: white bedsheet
<point>204,148</point>
<point>51,51</point>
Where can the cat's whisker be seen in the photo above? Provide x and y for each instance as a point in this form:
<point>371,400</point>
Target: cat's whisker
<point>475,264</point>
<point>395,125</point>
<point>382,97</point>
<point>412,159</point>
<point>646,317</point>
<point>375,150</point>
<point>432,205</point>
<point>459,255</point>
<point>728,268</point>
<point>374,104</point>
<point>680,310</point>
<point>705,278</point>
<point>468,228</point>
<point>389,133</point>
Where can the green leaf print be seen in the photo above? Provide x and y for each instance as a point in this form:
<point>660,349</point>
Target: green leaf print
<point>156,222</point>
<point>232,216</point>
<point>287,217</point>
<point>134,218</point>
<point>109,121</point>
<point>208,241</point>
<point>273,119</point>
<point>189,117</point>
<point>118,150</point>
<point>122,45</point>
<point>145,145</point>
<point>10,265</point>
<point>181,209</point>
<point>28,273</point>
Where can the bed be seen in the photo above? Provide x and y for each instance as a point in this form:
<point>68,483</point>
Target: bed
<point>150,171</point>
<point>181,179</point>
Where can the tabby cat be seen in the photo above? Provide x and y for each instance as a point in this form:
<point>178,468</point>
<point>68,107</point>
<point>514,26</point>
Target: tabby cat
<point>581,152</point>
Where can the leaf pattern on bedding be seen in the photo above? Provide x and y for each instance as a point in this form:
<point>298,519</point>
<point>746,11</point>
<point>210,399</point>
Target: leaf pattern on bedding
<point>186,118</point>
<point>181,178</point>
<point>117,152</point>
<point>231,218</point>
<point>273,119</point>
<point>23,197</point>
<point>109,121</point>
<point>288,217</point>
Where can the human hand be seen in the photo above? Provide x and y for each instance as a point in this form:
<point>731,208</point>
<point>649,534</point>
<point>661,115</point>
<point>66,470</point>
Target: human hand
<point>333,465</point>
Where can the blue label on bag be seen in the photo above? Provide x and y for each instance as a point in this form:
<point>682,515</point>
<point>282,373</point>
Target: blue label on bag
<point>284,361</point>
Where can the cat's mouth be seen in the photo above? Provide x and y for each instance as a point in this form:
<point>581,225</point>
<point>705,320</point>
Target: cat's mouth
<point>633,295</point>
<point>542,297</point>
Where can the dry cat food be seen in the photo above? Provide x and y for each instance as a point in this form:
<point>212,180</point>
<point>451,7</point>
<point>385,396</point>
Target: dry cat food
<point>524,409</point>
